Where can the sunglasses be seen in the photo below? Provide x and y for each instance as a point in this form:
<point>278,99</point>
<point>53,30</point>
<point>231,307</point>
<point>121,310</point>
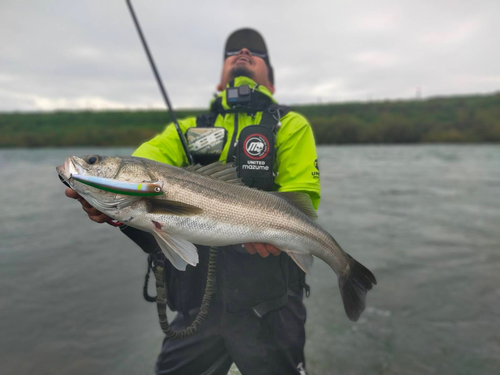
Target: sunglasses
<point>253,52</point>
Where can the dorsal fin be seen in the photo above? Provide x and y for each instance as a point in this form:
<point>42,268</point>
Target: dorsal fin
<point>217,171</point>
<point>213,168</point>
<point>194,167</point>
<point>302,201</point>
<point>236,181</point>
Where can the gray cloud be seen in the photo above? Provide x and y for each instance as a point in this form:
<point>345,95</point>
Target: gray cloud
<point>60,54</point>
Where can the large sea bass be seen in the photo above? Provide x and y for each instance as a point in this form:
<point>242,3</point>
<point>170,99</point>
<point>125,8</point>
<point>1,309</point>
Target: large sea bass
<point>210,206</point>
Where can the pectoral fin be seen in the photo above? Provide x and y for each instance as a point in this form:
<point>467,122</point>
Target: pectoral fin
<point>167,207</point>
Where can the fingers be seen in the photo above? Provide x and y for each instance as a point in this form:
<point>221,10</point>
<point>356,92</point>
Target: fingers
<point>272,249</point>
<point>86,205</point>
<point>262,249</point>
<point>250,248</point>
<point>102,218</point>
<point>70,193</point>
<point>94,214</point>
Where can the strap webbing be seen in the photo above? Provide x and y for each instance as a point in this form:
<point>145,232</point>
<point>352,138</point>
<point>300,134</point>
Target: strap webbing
<point>271,117</point>
<point>145,294</point>
<point>206,120</point>
<point>161,299</point>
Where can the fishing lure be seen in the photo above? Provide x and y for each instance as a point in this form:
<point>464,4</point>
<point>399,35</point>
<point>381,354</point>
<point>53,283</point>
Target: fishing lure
<point>138,189</point>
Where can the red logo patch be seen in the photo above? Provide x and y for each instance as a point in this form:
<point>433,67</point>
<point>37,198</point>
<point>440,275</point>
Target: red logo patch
<point>256,146</point>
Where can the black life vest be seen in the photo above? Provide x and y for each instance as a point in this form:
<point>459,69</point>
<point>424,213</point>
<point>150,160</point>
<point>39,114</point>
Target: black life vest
<point>245,282</point>
<point>254,151</point>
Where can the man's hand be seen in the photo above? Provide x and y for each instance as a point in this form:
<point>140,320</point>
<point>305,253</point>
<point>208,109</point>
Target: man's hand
<point>264,249</point>
<point>94,214</point>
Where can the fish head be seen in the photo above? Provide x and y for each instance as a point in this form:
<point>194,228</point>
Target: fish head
<point>95,178</point>
<point>89,165</point>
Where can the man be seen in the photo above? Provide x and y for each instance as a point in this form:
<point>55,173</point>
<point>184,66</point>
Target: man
<point>256,318</point>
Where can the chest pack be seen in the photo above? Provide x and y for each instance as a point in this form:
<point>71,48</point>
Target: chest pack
<point>254,150</point>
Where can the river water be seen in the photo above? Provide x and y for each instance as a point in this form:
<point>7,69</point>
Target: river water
<point>425,219</point>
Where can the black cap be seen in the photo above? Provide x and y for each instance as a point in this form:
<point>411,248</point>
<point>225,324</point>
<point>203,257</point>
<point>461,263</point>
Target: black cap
<point>251,39</point>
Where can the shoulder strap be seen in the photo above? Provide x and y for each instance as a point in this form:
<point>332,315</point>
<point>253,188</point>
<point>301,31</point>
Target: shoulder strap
<point>216,106</point>
<point>260,102</point>
<point>271,117</point>
<point>206,120</point>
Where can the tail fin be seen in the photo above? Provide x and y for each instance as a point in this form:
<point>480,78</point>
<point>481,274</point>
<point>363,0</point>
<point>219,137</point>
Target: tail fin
<point>354,284</point>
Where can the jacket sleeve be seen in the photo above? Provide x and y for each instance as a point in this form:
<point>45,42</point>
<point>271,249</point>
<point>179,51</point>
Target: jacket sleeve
<point>296,158</point>
<point>167,147</point>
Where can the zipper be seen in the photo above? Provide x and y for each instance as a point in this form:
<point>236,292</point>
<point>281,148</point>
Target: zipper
<point>230,154</point>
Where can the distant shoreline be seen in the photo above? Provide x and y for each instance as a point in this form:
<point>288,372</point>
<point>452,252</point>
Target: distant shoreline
<point>456,119</point>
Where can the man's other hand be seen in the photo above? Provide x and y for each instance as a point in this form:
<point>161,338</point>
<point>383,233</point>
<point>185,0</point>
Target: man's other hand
<point>264,249</point>
<point>94,214</point>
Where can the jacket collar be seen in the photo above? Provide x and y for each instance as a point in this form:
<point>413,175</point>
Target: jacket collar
<point>240,81</point>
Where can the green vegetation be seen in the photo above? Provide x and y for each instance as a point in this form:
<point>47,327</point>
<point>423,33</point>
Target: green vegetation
<point>452,119</point>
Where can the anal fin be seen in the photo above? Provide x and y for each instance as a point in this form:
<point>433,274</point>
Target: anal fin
<point>304,261</point>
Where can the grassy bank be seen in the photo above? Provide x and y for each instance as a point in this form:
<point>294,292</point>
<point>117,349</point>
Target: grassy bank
<point>474,118</point>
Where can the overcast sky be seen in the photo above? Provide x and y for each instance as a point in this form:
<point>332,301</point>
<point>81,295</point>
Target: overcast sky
<point>86,54</point>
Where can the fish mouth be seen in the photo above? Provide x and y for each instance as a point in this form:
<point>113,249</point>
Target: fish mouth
<point>68,169</point>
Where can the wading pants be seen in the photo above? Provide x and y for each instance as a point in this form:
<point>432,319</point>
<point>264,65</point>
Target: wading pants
<point>270,345</point>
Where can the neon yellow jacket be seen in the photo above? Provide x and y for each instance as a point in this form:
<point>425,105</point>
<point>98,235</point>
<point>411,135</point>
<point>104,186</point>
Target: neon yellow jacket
<point>296,159</point>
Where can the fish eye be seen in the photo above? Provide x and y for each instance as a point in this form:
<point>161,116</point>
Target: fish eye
<point>93,159</point>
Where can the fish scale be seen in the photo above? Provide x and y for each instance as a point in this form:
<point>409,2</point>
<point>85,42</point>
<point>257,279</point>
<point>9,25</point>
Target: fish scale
<point>196,207</point>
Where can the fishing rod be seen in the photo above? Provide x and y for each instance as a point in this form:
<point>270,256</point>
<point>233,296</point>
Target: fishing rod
<point>160,84</point>
<point>161,298</point>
